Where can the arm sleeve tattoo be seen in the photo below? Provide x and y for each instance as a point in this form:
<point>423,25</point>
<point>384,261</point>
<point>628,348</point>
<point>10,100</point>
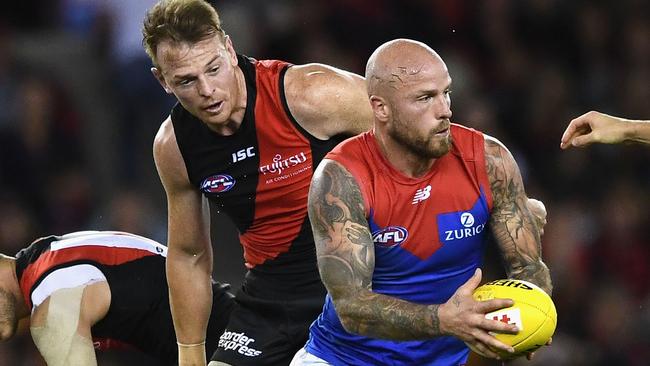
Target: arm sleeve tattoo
<point>512,223</point>
<point>346,261</point>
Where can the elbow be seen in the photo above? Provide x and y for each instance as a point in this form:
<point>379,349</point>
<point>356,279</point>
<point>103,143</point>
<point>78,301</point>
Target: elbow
<point>8,321</point>
<point>180,263</point>
<point>348,321</point>
<point>7,332</point>
<point>190,256</point>
<point>349,324</point>
<point>346,314</point>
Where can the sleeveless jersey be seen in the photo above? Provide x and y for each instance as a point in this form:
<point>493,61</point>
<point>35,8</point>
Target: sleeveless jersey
<point>139,315</point>
<point>428,235</point>
<point>260,177</point>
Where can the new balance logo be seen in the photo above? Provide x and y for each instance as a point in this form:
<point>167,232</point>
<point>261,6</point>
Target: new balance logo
<point>422,194</point>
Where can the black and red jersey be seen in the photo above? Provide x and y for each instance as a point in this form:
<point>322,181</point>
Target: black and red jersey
<point>139,316</point>
<point>260,176</point>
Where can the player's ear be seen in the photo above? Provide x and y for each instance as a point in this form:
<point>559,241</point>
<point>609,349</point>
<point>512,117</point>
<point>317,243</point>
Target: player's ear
<point>379,107</point>
<point>159,76</point>
<point>231,50</point>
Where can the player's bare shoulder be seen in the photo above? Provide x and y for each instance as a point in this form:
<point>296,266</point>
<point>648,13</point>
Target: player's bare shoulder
<point>327,101</point>
<point>167,156</point>
<point>164,137</point>
<point>502,169</point>
<point>494,147</point>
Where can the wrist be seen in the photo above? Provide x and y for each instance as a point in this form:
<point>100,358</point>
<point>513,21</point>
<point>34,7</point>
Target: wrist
<point>438,324</point>
<point>191,354</point>
<point>190,345</point>
<point>637,131</point>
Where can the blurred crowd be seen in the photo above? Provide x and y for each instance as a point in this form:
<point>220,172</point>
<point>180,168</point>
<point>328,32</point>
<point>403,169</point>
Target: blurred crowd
<point>80,109</point>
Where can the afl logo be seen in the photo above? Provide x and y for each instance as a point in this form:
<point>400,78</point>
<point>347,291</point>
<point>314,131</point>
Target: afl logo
<point>467,219</point>
<point>217,184</point>
<point>390,236</point>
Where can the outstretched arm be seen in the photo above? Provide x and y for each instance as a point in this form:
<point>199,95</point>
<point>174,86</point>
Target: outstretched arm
<point>189,256</point>
<point>596,127</point>
<point>514,226</point>
<point>538,210</point>
<point>346,262</point>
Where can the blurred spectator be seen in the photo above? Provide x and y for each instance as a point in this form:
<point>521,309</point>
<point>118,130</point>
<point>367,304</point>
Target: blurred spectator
<point>16,224</point>
<point>131,210</point>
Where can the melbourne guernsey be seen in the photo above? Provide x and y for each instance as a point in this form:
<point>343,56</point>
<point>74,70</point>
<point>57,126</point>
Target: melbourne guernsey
<point>428,234</point>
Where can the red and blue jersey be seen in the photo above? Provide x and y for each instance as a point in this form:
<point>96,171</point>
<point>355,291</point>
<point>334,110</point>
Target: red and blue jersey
<point>428,234</point>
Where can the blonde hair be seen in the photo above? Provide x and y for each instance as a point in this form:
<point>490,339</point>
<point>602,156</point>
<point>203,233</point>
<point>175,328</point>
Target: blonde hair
<point>180,21</point>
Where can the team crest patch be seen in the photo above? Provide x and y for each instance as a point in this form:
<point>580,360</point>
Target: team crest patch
<point>390,236</point>
<point>217,183</point>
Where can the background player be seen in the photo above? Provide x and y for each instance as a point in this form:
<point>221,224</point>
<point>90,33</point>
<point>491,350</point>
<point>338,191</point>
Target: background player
<point>595,127</point>
<point>95,290</point>
<point>399,216</point>
<point>246,135</point>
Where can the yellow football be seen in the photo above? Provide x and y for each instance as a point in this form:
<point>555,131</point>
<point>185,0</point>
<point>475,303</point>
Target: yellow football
<point>533,312</point>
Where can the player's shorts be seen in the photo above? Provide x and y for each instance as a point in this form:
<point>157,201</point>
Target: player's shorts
<point>223,303</point>
<point>304,358</point>
<point>266,331</point>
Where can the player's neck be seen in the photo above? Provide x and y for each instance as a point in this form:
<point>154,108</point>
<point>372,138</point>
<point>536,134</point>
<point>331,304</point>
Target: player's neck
<point>232,125</point>
<point>239,109</point>
<point>403,159</point>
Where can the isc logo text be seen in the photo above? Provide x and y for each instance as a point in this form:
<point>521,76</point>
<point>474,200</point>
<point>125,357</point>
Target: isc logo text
<point>243,154</point>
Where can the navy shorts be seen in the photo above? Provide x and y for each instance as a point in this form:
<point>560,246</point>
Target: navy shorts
<point>265,331</point>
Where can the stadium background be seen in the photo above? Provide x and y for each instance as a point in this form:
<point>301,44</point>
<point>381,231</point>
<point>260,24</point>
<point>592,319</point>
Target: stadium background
<point>79,109</point>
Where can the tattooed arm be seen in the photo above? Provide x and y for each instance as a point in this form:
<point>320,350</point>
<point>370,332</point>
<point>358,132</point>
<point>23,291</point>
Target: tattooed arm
<point>512,222</point>
<point>346,262</point>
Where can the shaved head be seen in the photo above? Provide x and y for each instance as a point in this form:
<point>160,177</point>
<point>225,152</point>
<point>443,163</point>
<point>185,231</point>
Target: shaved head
<point>398,62</point>
<point>409,88</point>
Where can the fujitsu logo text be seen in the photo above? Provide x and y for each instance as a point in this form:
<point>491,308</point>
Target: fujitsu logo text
<point>280,164</point>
